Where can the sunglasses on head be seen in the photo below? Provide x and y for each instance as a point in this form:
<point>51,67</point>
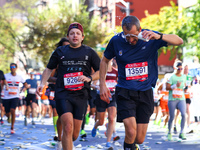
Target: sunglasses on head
<point>11,67</point>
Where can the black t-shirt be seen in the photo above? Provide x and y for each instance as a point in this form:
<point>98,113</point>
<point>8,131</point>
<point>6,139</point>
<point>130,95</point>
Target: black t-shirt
<point>2,77</point>
<point>72,60</point>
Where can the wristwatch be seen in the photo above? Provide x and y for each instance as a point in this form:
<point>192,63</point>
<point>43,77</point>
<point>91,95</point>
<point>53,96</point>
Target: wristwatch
<point>90,78</point>
<point>161,35</point>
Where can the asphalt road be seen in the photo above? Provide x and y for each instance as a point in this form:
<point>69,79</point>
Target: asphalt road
<point>40,137</point>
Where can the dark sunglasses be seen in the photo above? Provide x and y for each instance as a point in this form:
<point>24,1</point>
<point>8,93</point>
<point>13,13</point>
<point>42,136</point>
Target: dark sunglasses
<point>11,67</point>
<point>179,68</point>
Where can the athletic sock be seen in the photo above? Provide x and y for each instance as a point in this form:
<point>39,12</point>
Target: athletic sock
<point>129,146</point>
<point>54,123</point>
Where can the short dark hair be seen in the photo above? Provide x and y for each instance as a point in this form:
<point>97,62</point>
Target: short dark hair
<point>129,21</point>
<point>178,64</point>
<point>60,43</point>
<point>13,64</point>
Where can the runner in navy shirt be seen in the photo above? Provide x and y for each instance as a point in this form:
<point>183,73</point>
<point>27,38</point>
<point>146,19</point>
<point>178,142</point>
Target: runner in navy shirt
<point>137,74</point>
<point>74,63</point>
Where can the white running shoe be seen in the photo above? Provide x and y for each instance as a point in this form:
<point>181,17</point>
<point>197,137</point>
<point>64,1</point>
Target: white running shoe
<point>59,145</point>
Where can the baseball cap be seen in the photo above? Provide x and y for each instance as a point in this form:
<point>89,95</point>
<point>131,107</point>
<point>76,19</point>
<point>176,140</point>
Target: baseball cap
<point>75,25</point>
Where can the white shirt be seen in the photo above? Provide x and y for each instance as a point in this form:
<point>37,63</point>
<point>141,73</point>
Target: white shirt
<point>14,86</point>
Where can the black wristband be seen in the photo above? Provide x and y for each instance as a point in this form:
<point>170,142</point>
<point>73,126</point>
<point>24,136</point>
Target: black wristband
<point>161,35</point>
<point>90,78</point>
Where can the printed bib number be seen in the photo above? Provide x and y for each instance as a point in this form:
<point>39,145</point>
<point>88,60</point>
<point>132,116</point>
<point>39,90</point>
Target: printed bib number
<point>51,95</point>
<point>12,90</point>
<point>177,93</point>
<point>137,71</point>
<point>111,84</point>
<point>32,90</point>
<point>71,81</point>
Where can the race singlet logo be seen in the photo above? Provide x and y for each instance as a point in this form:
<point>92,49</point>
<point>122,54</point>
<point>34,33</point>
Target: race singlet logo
<point>71,81</point>
<point>137,71</point>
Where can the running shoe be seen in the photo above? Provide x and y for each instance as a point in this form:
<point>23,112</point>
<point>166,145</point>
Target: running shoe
<point>169,136</point>
<point>182,136</point>
<point>108,144</point>
<point>94,132</point>
<point>116,138</point>
<point>55,138</point>
<point>12,131</point>
<point>33,122</point>
<point>137,147</point>
<point>191,131</point>
<point>59,145</point>
<point>2,122</point>
<point>175,130</point>
<point>83,134</point>
<point>25,121</point>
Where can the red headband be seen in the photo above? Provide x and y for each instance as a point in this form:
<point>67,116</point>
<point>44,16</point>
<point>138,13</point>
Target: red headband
<point>75,25</point>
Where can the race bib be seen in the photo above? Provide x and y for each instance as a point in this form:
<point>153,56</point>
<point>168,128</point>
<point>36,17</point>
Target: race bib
<point>51,96</point>
<point>32,90</point>
<point>137,71</point>
<point>111,84</point>
<point>71,81</point>
<point>177,93</point>
<point>13,90</point>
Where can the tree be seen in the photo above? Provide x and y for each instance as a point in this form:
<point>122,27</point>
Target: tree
<point>168,21</point>
<point>38,30</point>
<point>193,29</point>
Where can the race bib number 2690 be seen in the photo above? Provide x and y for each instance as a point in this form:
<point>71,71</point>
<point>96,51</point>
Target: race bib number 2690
<point>137,71</point>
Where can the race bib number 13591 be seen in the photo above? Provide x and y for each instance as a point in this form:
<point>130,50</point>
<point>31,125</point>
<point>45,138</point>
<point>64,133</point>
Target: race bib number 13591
<point>137,71</point>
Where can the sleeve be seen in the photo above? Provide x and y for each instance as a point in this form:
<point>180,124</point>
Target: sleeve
<point>170,80</point>
<point>109,52</point>
<point>53,61</point>
<point>95,61</point>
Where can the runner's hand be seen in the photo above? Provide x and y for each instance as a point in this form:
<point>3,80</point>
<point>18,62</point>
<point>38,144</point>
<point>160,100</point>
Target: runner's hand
<point>39,90</point>
<point>84,79</point>
<point>150,35</point>
<point>105,93</point>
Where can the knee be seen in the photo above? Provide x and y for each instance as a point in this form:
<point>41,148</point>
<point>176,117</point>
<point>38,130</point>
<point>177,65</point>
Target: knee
<point>68,128</point>
<point>111,119</point>
<point>101,121</point>
<point>139,140</point>
<point>131,134</point>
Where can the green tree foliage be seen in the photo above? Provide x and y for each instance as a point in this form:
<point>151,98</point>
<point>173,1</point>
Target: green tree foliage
<point>168,21</point>
<point>41,27</point>
<point>193,29</point>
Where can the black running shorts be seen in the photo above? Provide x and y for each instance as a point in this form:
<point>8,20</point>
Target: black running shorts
<point>138,104</point>
<point>72,101</point>
<point>10,103</point>
<point>101,105</point>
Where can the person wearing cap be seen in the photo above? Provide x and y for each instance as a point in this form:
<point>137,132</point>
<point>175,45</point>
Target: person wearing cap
<point>176,86</point>
<point>137,74</point>
<point>74,63</point>
<point>11,96</point>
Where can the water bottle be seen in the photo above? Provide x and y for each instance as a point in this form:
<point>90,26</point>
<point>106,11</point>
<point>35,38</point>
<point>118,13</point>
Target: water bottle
<point>141,38</point>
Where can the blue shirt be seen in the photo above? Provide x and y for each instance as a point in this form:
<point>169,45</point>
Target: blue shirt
<point>33,84</point>
<point>137,64</point>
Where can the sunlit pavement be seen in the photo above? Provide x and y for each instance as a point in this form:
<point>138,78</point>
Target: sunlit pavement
<point>40,137</point>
